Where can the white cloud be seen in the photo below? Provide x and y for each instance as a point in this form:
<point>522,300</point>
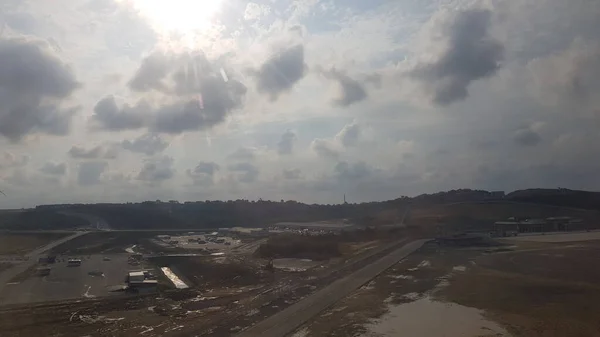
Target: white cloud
<point>255,11</point>
<point>383,98</point>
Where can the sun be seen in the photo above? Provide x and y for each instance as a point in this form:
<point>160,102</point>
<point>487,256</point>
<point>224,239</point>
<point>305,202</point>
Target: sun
<point>178,16</point>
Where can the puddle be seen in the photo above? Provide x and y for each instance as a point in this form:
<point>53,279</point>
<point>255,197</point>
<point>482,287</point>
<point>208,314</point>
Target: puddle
<point>130,249</point>
<point>177,282</point>
<point>426,317</point>
<point>402,277</point>
<point>459,268</point>
<point>294,265</point>
<point>87,293</point>
<point>424,263</point>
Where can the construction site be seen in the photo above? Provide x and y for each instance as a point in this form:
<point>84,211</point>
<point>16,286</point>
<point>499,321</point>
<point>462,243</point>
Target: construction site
<point>312,280</point>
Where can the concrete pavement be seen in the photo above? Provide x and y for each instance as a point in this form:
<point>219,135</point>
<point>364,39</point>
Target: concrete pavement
<point>32,259</point>
<point>299,313</point>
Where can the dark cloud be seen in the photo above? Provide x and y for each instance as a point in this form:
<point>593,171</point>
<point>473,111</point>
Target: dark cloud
<point>201,94</point>
<point>286,143</point>
<point>471,54</point>
<point>185,116</point>
<point>90,172</point>
<point>57,169</point>
<point>149,144</point>
<point>247,172</point>
<point>96,152</point>
<point>281,71</point>
<point>157,170</point>
<point>203,173</point>
<point>351,91</point>
<point>324,148</point>
<point>208,168</point>
<point>33,83</point>
<point>527,137</point>
<point>108,116</point>
<point>349,135</point>
<point>151,73</point>
<point>292,174</point>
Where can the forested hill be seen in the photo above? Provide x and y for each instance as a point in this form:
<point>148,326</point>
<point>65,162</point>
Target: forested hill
<point>213,214</point>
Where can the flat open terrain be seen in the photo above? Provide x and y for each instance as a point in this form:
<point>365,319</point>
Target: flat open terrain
<point>68,282</point>
<point>15,244</point>
<point>531,290</point>
<point>545,291</point>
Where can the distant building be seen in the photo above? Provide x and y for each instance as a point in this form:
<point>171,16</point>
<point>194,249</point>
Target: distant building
<point>74,262</point>
<point>506,228</point>
<point>553,224</point>
<point>141,281</point>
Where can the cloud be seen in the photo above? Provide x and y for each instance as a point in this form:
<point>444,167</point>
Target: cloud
<point>352,171</point>
<point>285,145</point>
<point>255,11</point>
<point>89,173</point>
<point>57,169</point>
<point>148,144</point>
<point>470,54</point>
<point>33,84</point>
<point>247,172</point>
<point>244,154</point>
<point>527,137</point>
<point>150,74</point>
<point>570,79</point>
<point>157,170</point>
<point>292,174</point>
<point>9,160</point>
<point>281,71</point>
<point>203,173</point>
<point>350,90</point>
<point>325,148</point>
<point>349,135</point>
<point>96,152</point>
<point>109,117</point>
<point>197,95</point>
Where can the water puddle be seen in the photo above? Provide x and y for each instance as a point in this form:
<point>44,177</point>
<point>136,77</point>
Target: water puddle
<point>130,249</point>
<point>177,282</point>
<point>294,265</point>
<point>459,268</point>
<point>426,317</point>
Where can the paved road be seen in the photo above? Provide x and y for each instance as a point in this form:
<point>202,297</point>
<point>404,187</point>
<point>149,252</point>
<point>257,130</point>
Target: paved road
<point>32,259</point>
<point>299,313</point>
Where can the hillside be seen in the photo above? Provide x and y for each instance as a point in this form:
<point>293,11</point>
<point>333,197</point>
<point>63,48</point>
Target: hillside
<point>214,214</point>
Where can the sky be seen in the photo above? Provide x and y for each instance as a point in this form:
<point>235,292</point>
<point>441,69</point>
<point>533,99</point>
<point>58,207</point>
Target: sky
<point>308,100</point>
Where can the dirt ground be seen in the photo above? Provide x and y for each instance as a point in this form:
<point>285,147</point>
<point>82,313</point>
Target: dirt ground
<point>227,294</point>
<point>532,289</point>
<point>23,243</point>
<point>551,290</point>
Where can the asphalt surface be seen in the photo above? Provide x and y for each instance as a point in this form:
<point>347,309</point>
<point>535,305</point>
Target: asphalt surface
<point>32,259</point>
<point>66,282</point>
<point>299,313</point>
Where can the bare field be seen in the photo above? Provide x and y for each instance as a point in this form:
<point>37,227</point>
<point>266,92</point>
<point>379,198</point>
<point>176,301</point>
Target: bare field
<point>16,244</point>
<point>536,292</point>
<point>530,290</point>
<point>66,282</point>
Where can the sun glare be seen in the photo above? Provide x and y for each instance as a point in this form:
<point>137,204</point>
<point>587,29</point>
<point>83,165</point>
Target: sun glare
<point>178,16</point>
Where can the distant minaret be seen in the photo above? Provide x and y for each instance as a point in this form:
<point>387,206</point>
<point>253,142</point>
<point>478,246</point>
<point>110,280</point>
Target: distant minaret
<point>345,199</point>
